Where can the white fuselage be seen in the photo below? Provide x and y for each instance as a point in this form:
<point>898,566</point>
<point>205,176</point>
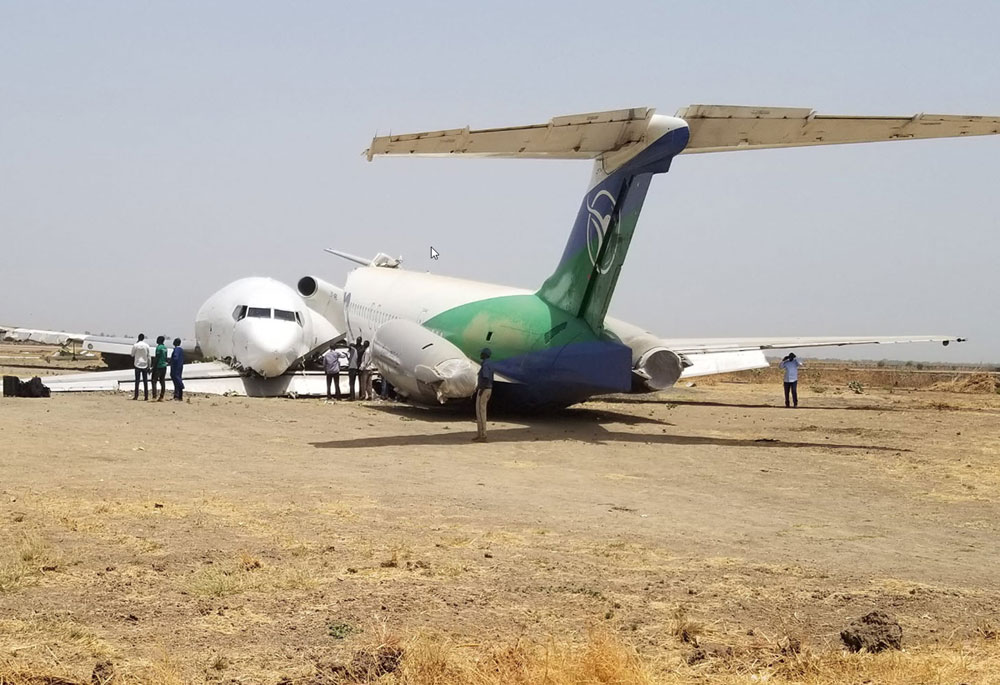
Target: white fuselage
<point>374,296</point>
<point>255,324</point>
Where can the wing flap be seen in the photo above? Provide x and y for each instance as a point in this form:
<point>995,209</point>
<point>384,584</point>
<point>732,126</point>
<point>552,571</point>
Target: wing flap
<point>723,128</point>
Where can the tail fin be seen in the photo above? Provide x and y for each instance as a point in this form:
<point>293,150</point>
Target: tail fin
<point>585,279</point>
<point>628,146</point>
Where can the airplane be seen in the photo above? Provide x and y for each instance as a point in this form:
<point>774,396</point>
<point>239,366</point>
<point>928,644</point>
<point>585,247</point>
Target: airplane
<point>254,330</point>
<point>555,345</point>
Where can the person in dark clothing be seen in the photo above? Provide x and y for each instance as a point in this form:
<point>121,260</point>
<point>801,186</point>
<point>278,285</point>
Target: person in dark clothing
<point>484,388</point>
<point>177,369</point>
<point>160,368</point>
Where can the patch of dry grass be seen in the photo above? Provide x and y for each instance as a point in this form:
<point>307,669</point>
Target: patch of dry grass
<point>246,573</point>
<point>21,563</point>
<point>603,658</point>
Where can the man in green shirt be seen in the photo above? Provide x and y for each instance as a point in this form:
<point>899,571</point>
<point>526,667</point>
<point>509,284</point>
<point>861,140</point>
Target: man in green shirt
<point>160,367</point>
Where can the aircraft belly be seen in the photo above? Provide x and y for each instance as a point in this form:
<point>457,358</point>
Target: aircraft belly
<point>566,374</point>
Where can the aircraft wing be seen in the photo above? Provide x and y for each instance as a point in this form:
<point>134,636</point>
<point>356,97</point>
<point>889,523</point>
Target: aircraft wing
<point>724,355</point>
<point>37,335</point>
<point>90,343</point>
<point>717,345</point>
<point>721,128</point>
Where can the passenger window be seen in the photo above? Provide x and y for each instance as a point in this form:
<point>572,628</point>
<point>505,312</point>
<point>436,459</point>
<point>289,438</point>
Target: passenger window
<point>259,312</point>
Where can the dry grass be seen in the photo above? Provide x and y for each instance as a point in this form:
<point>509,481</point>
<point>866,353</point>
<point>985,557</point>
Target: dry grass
<point>246,573</point>
<point>22,562</point>
<point>604,658</point>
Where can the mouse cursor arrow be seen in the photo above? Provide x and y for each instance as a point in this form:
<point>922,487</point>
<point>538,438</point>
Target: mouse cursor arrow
<point>434,253</point>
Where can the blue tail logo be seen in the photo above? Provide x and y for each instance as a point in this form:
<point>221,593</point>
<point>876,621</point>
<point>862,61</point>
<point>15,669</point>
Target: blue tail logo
<point>597,231</point>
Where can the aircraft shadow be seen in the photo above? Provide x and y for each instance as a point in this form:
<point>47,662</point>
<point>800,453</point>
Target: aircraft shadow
<point>744,405</point>
<point>576,414</point>
<point>550,433</point>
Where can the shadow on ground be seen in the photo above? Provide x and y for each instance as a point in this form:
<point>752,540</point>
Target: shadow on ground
<point>597,435</point>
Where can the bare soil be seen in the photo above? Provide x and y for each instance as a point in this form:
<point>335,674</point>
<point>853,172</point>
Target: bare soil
<point>248,540</point>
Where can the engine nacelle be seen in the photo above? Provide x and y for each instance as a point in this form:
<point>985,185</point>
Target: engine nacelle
<point>656,368</point>
<point>325,299</point>
<point>422,365</point>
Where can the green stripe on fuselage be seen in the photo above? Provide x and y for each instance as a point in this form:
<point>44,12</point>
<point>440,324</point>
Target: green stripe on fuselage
<point>511,325</point>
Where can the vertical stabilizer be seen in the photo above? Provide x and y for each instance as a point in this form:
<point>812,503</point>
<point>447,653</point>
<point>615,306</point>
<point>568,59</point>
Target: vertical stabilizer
<point>585,279</point>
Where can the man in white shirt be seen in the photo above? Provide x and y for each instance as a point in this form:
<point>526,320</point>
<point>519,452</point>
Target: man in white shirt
<point>791,365</point>
<point>331,366</point>
<point>354,353</point>
<point>140,360</point>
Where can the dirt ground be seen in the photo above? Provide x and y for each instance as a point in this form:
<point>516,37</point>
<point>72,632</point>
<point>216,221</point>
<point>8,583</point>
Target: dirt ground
<point>248,540</point>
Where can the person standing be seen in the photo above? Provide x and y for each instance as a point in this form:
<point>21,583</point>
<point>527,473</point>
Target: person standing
<point>140,361</point>
<point>791,365</point>
<point>160,367</point>
<point>331,366</point>
<point>365,369</point>
<point>177,370</point>
<point>484,388</point>
<point>353,364</point>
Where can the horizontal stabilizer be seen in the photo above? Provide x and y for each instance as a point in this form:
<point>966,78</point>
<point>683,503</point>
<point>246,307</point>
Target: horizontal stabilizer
<point>580,136</point>
<point>720,128</point>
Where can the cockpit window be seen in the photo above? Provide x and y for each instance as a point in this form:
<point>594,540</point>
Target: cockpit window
<point>259,312</point>
<point>240,312</point>
<point>284,315</point>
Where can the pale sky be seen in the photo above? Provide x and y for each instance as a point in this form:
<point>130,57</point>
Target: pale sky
<point>152,152</point>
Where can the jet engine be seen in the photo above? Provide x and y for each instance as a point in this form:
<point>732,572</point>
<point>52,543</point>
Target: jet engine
<point>422,365</point>
<point>325,299</point>
<point>656,368</point>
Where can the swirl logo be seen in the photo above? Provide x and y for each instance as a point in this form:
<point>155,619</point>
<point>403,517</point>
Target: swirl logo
<point>597,230</point>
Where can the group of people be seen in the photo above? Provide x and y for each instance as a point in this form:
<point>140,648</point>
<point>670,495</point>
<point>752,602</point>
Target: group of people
<point>357,357</point>
<point>157,360</point>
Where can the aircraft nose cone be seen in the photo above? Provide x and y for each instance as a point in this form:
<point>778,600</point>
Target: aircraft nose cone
<point>270,347</point>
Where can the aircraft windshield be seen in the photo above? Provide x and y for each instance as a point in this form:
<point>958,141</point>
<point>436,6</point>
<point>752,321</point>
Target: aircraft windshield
<point>259,312</point>
<point>284,315</point>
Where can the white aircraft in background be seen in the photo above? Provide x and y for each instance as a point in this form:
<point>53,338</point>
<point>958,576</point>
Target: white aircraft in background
<point>555,346</point>
<point>257,329</point>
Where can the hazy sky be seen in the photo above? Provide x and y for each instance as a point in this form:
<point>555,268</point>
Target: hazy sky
<point>152,152</point>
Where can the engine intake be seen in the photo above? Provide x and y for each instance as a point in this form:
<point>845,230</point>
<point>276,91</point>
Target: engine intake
<point>422,365</point>
<point>325,299</point>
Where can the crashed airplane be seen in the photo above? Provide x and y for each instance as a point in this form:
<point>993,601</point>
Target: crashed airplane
<point>554,345</point>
